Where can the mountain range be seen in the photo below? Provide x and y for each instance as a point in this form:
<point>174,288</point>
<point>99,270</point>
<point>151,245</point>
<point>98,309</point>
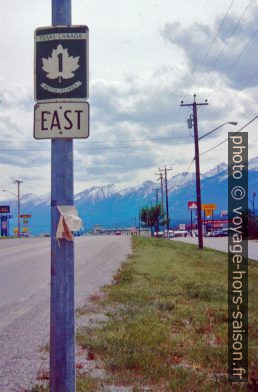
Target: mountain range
<point>112,207</point>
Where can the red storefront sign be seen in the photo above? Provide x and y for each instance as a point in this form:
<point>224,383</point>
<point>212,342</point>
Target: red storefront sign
<point>192,205</point>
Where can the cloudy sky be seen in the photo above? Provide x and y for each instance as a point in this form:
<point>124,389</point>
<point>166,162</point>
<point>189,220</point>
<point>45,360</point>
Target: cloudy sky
<point>145,57</point>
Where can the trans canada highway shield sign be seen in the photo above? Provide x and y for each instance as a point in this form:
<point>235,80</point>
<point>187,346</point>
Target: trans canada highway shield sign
<point>61,63</point>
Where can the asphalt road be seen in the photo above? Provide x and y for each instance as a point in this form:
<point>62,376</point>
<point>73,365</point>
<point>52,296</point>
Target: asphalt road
<point>25,294</point>
<point>221,243</point>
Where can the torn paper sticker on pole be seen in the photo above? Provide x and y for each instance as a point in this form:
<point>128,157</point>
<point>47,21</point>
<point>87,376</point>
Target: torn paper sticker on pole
<point>69,221</point>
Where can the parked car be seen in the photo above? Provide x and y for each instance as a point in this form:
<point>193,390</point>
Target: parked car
<point>220,233</point>
<point>160,234</point>
<point>179,233</point>
<point>118,232</point>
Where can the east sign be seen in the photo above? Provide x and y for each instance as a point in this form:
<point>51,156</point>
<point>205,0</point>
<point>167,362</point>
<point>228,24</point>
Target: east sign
<point>61,120</point>
<point>61,63</point>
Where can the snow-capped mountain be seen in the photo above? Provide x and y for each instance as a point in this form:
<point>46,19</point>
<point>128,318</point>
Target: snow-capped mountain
<point>111,206</point>
<point>97,193</point>
<point>222,167</point>
<point>179,180</point>
<point>253,164</point>
<point>146,188</point>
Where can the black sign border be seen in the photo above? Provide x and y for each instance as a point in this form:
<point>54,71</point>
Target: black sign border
<point>62,99</point>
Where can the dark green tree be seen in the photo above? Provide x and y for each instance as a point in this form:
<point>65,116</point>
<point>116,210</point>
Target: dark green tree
<point>151,217</point>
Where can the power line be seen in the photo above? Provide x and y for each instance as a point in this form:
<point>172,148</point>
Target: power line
<point>85,149</point>
<point>192,161</point>
<point>176,122</point>
<point>186,147</point>
<point>187,171</point>
<point>238,92</point>
<point>212,43</point>
<point>98,148</point>
<point>111,141</point>
<point>218,84</point>
<point>226,43</point>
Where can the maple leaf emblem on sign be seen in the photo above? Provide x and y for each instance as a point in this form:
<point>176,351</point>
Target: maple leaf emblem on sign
<point>60,64</point>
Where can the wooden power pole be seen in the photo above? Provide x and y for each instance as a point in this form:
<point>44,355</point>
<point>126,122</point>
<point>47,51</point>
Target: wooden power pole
<point>197,166</point>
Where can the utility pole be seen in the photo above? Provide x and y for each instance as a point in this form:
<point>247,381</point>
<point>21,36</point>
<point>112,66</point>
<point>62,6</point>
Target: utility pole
<point>254,194</point>
<point>194,105</point>
<point>62,330</point>
<point>18,182</point>
<point>157,190</point>
<point>165,170</point>
<point>161,191</point>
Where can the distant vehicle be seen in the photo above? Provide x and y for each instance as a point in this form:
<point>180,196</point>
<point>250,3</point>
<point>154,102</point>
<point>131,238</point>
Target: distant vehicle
<point>220,233</point>
<point>178,233</point>
<point>118,232</point>
<point>160,234</point>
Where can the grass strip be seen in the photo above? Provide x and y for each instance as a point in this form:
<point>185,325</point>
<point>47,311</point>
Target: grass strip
<point>168,326</point>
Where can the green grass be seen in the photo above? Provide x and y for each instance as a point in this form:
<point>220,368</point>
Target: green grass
<point>168,329</point>
<point>84,383</point>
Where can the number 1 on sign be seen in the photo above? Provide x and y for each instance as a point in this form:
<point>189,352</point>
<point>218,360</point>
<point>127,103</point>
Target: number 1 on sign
<point>60,65</point>
<point>60,62</point>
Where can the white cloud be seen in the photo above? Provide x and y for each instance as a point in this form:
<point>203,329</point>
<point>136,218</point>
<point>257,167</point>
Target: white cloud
<point>137,80</point>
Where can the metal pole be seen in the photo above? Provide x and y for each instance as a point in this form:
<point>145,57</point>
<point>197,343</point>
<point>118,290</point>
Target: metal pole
<point>198,180</point>
<point>19,210</point>
<point>18,182</point>
<point>62,331</point>
<point>166,185</point>
<point>254,194</point>
<point>191,222</point>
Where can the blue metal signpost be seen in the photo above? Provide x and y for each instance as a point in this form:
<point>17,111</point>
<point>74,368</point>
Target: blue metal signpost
<point>62,333</point>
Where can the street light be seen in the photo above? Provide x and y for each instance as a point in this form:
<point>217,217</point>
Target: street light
<point>208,133</point>
<point>225,140</point>
<point>18,204</point>
<point>198,178</point>
<point>6,190</point>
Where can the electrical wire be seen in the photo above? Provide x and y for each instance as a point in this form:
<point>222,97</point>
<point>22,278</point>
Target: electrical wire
<point>202,62</point>
<point>236,95</point>
<point>218,84</point>
<point>211,44</point>
<point>226,43</point>
<point>102,142</point>
<point>86,149</point>
<point>176,122</point>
